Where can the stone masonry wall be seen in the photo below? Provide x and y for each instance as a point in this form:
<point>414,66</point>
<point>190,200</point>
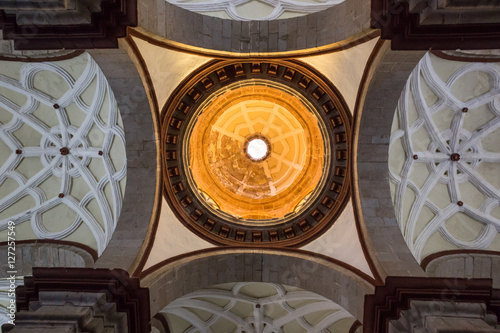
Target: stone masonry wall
<point>467,265</point>
<point>223,266</point>
<point>329,26</point>
<point>133,223</point>
<point>44,255</point>
<point>382,229</point>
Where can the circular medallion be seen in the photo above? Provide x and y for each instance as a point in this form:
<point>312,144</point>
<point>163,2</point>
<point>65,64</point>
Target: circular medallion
<point>256,152</point>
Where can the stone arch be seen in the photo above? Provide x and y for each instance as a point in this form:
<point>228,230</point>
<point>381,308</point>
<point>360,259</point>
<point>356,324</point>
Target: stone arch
<point>467,264</point>
<point>138,203</point>
<point>179,276</point>
<point>313,30</point>
<point>46,253</point>
<point>380,232</point>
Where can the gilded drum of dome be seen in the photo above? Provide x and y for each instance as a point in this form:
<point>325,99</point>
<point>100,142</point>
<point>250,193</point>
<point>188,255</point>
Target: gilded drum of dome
<point>256,188</point>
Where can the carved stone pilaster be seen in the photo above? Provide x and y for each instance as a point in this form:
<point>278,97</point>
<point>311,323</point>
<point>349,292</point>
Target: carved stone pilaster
<point>444,316</point>
<point>432,305</point>
<point>81,300</point>
<point>82,24</point>
<point>72,312</point>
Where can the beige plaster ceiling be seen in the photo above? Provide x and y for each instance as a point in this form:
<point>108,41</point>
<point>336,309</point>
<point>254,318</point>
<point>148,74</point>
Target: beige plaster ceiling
<point>333,66</point>
<point>340,242</point>
<point>345,69</point>
<point>172,238</point>
<point>444,157</point>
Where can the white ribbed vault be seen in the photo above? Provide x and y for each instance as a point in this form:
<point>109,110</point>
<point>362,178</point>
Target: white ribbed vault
<point>444,157</point>
<point>256,308</point>
<point>62,152</point>
<point>262,10</point>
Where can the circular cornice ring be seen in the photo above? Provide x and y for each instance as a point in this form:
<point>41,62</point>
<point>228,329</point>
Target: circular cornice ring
<point>321,211</point>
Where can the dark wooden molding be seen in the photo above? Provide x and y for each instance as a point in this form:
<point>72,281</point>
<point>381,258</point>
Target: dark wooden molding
<point>397,293</point>
<point>125,292</point>
<point>355,326</point>
<point>404,30</point>
<point>163,322</point>
<point>102,32</point>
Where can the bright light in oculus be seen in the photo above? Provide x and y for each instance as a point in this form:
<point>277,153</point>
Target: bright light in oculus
<point>257,149</point>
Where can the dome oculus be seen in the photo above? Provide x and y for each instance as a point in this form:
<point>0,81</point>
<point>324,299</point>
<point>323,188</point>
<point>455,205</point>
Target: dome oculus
<point>257,148</point>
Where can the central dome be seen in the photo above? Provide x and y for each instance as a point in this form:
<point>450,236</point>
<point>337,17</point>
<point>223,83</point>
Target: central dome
<point>256,151</point>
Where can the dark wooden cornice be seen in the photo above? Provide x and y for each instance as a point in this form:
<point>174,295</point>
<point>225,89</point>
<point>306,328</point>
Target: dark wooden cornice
<point>403,28</point>
<point>102,32</point>
<point>397,293</point>
<point>125,292</point>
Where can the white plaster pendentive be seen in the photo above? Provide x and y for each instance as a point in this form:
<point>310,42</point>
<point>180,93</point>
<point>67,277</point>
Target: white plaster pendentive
<point>444,157</point>
<point>253,307</point>
<point>341,242</point>
<point>62,152</point>
<point>261,10</point>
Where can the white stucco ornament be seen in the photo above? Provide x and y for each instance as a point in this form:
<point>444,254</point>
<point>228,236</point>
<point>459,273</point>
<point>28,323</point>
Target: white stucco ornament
<point>237,308</point>
<point>444,157</point>
<point>63,151</point>
<point>262,10</point>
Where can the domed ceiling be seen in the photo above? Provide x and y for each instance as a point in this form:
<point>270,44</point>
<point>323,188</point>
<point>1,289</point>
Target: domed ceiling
<point>256,307</point>
<point>245,10</point>
<point>444,157</point>
<point>62,152</point>
<point>270,185</point>
<point>206,106</point>
<point>288,192</point>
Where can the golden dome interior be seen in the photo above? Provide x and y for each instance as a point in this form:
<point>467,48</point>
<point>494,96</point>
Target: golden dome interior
<point>269,186</point>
